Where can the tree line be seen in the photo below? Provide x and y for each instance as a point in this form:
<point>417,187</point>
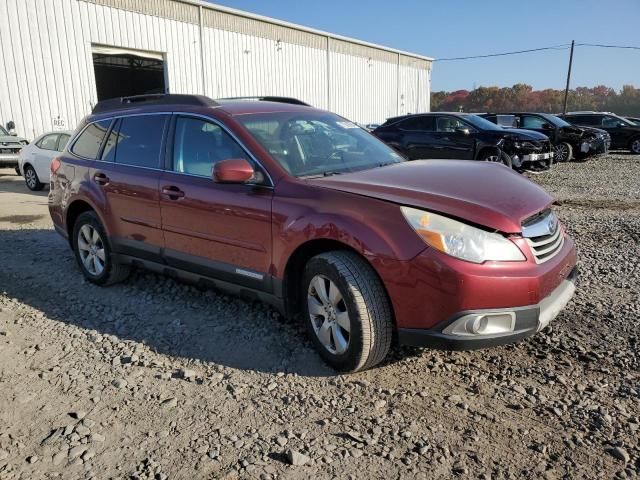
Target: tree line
<point>522,97</point>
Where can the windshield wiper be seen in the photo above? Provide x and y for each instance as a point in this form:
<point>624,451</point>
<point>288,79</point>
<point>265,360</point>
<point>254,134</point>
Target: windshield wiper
<point>327,173</point>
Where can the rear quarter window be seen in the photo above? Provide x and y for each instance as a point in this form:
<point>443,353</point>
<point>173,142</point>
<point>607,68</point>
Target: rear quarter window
<point>88,143</point>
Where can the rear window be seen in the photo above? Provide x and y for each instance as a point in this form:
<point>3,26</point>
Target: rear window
<point>88,143</point>
<point>136,141</point>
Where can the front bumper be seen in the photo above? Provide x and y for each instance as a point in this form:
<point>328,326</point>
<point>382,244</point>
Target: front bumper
<point>9,159</point>
<point>456,333</point>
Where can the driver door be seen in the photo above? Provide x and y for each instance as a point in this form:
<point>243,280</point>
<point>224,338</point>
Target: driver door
<point>455,143</point>
<point>217,230</point>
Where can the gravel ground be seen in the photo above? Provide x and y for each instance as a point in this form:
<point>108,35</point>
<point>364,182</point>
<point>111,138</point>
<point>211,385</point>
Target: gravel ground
<point>157,379</point>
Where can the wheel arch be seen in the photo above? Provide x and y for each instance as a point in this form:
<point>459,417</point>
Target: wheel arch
<point>74,210</point>
<point>294,269</point>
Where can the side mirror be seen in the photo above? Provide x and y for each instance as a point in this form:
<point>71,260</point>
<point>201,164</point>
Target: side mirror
<point>463,131</point>
<point>232,170</point>
<point>547,126</point>
<point>622,125</point>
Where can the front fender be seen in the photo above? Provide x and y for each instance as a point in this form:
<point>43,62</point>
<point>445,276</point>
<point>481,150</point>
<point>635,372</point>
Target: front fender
<point>374,228</point>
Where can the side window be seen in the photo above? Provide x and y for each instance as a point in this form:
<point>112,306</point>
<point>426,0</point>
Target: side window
<point>449,124</point>
<point>49,142</point>
<point>137,141</point>
<point>529,121</point>
<point>198,144</point>
<point>62,142</point>
<point>88,143</point>
<point>610,122</point>
<point>510,121</point>
<point>581,119</point>
<point>417,124</point>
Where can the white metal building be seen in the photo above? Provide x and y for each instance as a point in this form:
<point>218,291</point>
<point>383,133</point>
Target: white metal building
<point>59,57</point>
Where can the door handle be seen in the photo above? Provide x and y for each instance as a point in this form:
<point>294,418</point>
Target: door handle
<point>100,178</point>
<point>172,192</point>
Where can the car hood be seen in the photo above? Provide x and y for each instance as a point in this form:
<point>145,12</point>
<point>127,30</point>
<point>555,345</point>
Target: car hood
<point>481,193</point>
<point>591,130</point>
<point>10,139</point>
<point>522,134</point>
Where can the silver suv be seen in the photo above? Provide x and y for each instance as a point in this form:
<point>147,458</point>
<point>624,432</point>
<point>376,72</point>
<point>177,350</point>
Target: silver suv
<point>10,146</point>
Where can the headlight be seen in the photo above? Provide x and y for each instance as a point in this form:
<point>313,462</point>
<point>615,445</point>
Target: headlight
<point>24,142</point>
<point>460,240</point>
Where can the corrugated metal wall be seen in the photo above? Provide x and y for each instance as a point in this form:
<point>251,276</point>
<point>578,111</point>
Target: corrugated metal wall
<point>46,66</point>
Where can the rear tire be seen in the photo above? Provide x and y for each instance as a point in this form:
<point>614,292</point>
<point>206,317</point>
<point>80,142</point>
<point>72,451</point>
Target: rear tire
<point>93,252</point>
<point>31,179</point>
<point>346,310</point>
<point>18,171</point>
<point>563,152</point>
<point>634,145</point>
<point>496,157</point>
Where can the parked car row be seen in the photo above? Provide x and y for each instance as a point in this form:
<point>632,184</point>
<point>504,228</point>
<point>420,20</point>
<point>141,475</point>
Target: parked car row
<point>625,134</point>
<point>305,210</point>
<point>465,136</point>
<point>568,140</point>
<point>521,140</point>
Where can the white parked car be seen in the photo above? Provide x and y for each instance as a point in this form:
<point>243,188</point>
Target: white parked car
<point>35,158</point>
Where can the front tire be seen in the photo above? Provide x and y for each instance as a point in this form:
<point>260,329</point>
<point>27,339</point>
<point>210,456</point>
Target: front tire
<point>347,311</point>
<point>563,152</point>
<point>93,251</point>
<point>634,145</point>
<point>31,179</point>
<point>495,156</point>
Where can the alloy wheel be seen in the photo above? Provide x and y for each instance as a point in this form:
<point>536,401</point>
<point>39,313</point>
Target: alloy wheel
<point>91,250</point>
<point>635,146</point>
<point>328,314</point>
<point>30,178</point>
<point>561,153</point>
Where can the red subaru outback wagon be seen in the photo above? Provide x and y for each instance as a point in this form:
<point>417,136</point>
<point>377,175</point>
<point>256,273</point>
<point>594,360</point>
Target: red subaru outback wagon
<point>303,209</point>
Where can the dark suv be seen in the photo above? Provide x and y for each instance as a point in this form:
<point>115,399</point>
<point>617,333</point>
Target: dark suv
<point>625,135</point>
<point>305,210</point>
<point>465,136</point>
<point>568,141</point>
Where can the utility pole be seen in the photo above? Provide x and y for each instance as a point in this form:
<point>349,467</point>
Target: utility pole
<point>566,90</point>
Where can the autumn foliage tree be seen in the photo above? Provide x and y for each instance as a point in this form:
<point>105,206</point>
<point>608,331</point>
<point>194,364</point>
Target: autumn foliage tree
<point>522,97</point>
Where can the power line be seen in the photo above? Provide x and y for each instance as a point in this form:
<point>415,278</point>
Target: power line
<point>606,46</point>
<point>554,47</point>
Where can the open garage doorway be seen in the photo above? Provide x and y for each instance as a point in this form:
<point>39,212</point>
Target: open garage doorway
<point>122,72</point>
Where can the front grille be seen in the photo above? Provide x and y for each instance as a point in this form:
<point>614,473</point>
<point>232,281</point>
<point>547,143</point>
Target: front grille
<point>544,235</point>
<point>10,151</point>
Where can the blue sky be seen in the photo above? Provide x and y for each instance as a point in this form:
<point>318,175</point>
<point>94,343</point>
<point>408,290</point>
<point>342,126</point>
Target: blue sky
<point>458,28</point>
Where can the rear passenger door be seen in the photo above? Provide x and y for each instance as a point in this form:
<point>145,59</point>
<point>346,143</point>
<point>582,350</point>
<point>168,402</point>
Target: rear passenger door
<point>216,230</point>
<point>418,138</point>
<point>128,176</point>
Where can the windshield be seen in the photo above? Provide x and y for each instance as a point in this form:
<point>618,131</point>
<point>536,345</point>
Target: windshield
<point>481,123</point>
<point>557,121</point>
<point>317,143</point>
<point>635,121</point>
<point>3,131</point>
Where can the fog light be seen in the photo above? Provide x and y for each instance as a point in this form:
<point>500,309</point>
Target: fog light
<point>490,323</point>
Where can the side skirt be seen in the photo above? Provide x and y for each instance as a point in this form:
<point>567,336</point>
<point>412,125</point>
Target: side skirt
<point>205,281</point>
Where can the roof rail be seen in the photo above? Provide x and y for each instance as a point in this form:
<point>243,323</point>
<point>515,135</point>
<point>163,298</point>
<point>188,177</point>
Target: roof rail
<point>121,103</point>
<point>291,100</point>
